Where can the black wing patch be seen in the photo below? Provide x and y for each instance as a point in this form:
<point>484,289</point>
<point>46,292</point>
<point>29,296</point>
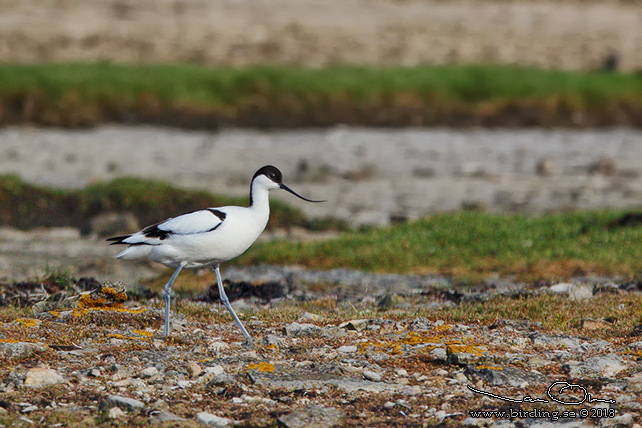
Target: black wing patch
<point>154,232</point>
<point>220,214</point>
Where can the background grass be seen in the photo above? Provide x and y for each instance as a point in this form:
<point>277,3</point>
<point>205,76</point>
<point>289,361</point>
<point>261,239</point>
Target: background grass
<point>197,96</point>
<point>26,206</point>
<point>475,246</point>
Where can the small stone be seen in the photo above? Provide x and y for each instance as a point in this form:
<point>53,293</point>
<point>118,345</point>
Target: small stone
<point>606,366</point>
<point>19,349</point>
<point>217,346</point>
<point>148,372</point>
<point>346,349</point>
<point>373,376</point>
<point>354,325</point>
<point>313,416</point>
<point>213,371</point>
<point>160,417</point>
<point>439,354</point>
<point>460,377</point>
<point>29,409</point>
<point>592,324</point>
<point>41,376</point>
<point>115,413</point>
<point>401,372</point>
<point>185,383</point>
<point>303,330</point>
<point>625,420</point>
<point>272,340</point>
<point>388,405</point>
<point>211,420</point>
<point>477,422</point>
<point>634,383</point>
<point>573,291</point>
<point>310,317</point>
<point>124,403</point>
<point>193,370</point>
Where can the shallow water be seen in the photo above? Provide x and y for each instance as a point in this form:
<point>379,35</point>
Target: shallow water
<point>367,175</point>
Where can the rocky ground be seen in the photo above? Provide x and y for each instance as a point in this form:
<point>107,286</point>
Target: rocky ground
<point>570,34</point>
<point>337,348</point>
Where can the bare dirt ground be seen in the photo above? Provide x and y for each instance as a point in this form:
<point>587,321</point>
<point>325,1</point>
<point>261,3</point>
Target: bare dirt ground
<point>567,35</point>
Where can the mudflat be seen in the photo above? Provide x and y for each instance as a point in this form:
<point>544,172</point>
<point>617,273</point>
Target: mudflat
<point>565,35</point>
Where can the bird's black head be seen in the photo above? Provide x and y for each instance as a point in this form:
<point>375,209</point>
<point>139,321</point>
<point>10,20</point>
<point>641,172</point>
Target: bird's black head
<point>270,172</point>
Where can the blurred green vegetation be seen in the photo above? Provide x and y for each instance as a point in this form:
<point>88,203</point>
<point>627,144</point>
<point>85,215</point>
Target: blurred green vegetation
<point>476,246</point>
<point>26,206</point>
<point>277,96</point>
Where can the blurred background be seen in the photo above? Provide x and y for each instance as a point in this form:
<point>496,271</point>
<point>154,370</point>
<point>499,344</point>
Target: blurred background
<point>117,113</point>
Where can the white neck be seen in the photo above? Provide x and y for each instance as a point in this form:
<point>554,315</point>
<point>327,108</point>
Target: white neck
<point>259,197</point>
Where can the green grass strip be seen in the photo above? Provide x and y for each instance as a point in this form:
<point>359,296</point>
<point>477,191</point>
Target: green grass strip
<point>197,96</point>
<point>229,86</point>
<point>475,246</point>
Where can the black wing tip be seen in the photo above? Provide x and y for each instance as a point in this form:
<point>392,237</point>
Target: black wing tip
<point>118,239</point>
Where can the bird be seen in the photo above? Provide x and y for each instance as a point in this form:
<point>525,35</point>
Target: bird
<point>207,237</point>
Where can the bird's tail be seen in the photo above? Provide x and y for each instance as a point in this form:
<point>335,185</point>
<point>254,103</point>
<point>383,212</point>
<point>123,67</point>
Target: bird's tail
<point>118,240</point>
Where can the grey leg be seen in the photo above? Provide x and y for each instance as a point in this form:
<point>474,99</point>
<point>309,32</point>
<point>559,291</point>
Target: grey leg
<point>168,295</point>
<point>226,302</point>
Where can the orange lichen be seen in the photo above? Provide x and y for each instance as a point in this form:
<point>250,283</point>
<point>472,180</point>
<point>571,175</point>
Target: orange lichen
<point>144,333</point>
<point>87,303</point>
<point>481,367</point>
<point>262,367</point>
<point>18,341</point>
<point>454,349</point>
<point>271,347</point>
<point>123,337</point>
<point>28,322</point>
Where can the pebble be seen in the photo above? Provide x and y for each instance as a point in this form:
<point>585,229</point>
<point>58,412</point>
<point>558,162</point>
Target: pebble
<point>211,420</point>
<point>115,413</point>
<point>634,383</point>
<point>193,370</point>
<point>347,349</point>
<point>401,372</point>
<point>124,403</point>
<point>273,340</point>
<point>160,417</point>
<point>217,346</point>
<point>373,376</point>
<point>148,372</point>
<point>209,373</point>
<point>606,366</point>
<point>307,316</point>
<point>592,324</point>
<point>354,325</point>
<point>20,349</point>
<point>573,291</point>
<point>41,376</point>
<point>303,330</point>
<point>313,416</point>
